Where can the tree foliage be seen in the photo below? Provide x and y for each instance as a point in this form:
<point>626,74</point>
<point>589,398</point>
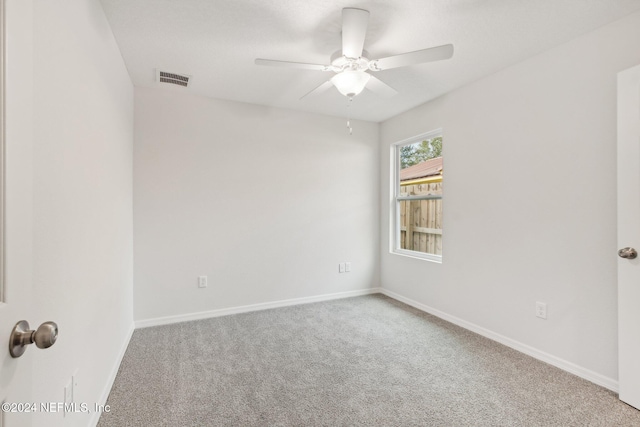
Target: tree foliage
<point>417,153</point>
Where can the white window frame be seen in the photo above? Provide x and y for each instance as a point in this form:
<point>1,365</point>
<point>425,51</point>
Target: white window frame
<point>396,198</point>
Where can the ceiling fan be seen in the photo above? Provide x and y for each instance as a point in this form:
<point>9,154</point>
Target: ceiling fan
<point>351,66</point>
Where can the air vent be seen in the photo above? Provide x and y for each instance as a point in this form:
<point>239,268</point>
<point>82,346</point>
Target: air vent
<point>173,78</point>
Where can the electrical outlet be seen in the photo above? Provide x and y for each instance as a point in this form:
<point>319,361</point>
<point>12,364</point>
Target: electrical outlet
<point>341,267</point>
<point>347,267</point>
<point>202,281</point>
<point>541,310</point>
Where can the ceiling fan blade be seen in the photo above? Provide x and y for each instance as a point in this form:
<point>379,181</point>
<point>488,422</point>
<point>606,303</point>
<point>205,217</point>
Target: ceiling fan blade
<point>287,64</point>
<point>320,89</point>
<point>413,58</point>
<point>354,30</point>
<point>380,88</point>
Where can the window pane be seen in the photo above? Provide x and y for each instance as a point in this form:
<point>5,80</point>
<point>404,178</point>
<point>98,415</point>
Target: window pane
<point>420,221</point>
<point>420,152</point>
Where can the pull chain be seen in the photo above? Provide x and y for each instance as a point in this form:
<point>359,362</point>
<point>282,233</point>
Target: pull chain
<point>349,116</point>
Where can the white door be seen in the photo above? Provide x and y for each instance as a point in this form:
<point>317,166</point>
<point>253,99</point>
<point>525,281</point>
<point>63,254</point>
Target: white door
<point>629,235</point>
<point>15,373</point>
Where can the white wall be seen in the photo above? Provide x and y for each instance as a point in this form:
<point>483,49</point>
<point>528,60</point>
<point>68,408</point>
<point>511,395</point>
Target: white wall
<point>530,205</point>
<point>83,145</point>
<point>265,202</point>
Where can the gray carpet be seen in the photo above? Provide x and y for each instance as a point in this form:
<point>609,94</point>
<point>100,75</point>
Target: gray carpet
<point>365,361</point>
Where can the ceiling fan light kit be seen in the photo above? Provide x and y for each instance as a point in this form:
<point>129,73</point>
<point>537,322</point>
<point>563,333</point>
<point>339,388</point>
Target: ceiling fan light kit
<point>350,82</point>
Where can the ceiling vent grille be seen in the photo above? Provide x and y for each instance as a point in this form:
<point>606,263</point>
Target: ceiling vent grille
<point>173,78</point>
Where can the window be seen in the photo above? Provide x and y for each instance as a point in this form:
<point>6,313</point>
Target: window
<point>417,196</point>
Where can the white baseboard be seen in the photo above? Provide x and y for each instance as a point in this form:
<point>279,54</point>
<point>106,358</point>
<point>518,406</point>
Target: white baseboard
<point>581,372</point>
<point>247,308</point>
<point>112,376</point>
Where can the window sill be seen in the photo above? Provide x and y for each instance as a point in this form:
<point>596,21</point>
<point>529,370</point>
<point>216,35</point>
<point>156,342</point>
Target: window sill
<point>418,255</point>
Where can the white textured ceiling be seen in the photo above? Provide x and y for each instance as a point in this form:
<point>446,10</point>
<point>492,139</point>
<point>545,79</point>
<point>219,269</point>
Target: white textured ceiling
<point>216,41</point>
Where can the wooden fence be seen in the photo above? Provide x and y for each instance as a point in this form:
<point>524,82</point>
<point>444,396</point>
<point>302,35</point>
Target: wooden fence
<point>421,220</point>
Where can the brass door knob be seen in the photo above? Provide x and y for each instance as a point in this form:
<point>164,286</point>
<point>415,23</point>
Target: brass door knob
<point>21,336</point>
